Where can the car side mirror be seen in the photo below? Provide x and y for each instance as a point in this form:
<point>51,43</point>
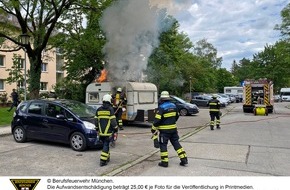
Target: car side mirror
<point>60,116</point>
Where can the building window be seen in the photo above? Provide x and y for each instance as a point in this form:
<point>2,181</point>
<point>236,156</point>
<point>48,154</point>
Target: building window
<point>2,60</point>
<point>21,63</point>
<point>1,84</point>
<point>43,86</point>
<point>43,67</point>
<point>20,84</point>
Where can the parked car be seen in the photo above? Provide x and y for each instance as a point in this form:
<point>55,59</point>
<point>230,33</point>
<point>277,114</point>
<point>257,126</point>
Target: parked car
<point>200,100</point>
<point>184,107</point>
<point>223,101</point>
<point>225,97</point>
<point>277,98</point>
<point>233,98</point>
<point>64,121</point>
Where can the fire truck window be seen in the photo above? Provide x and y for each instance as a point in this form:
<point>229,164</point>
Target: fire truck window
<point>94,97</point>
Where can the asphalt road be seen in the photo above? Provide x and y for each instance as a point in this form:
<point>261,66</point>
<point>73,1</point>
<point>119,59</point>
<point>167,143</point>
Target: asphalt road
<point>246,145</point>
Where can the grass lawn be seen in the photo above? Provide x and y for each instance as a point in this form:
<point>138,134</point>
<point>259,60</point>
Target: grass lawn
<point>5,116</point>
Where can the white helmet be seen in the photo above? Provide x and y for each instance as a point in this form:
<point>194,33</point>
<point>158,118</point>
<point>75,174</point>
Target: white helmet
<point>107,98</point>
<point>119,89</point>
<point>165,95</point>
<point>214,96</point>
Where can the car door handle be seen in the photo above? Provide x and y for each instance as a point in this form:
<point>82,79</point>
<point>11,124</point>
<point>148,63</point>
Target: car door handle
<point>45,120</point>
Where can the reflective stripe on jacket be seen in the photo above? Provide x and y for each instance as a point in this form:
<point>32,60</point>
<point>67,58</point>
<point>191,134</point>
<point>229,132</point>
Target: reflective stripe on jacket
<point>214,105</point>
<point>166,117</point>
<point>106,120</point>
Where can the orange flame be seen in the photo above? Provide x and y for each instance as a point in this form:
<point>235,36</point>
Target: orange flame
<point>103,76</point>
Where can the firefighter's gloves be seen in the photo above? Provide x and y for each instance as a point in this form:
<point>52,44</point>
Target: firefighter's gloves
<point>154,129</point>
<point>155,140</point>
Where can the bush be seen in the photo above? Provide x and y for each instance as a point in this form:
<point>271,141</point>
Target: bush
<point>43,95</point>
<point>70,90</point>
<point>3,97</point>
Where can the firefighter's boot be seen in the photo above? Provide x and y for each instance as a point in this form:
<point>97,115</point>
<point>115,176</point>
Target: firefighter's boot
<point>103,163</point>
<point>211,127</point>
<point>183,161</point>
<point>163,164</point>
<point>218,127</point>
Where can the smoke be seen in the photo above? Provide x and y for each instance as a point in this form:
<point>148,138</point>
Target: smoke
<point>132,29</point>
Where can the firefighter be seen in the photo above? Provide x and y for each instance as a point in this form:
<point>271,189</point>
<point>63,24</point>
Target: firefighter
<point>106,125</point>
<point>165,123</point>
<point>214,112</point>
<point>119,99</point>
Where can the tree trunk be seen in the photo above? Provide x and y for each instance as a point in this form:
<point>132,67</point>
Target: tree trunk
<point>34,76</point>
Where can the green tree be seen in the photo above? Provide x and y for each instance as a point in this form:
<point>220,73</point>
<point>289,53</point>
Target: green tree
<point>284,27</point>
<point>244,70</point>
<point>273,63</point>
<point>15,72</point>
<point>82,42</point>
<point>225,78</point>
<point>38,19</point>
<point>165,66</point>
<point>206,50</point>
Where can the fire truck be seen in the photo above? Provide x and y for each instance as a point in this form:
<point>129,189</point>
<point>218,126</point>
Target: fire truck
<point>258,93</point>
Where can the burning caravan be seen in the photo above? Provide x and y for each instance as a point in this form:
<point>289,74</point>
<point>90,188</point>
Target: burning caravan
<point>142,98</point>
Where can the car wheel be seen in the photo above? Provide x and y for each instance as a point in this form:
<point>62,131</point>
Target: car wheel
<point>78,141</point>
<point>183,112</point>
<point>19,134</point>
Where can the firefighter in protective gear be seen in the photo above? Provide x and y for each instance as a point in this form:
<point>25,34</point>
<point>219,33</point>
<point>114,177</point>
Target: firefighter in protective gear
<point>165,122</point>
<point>214,112</point>
<point>106,125</point>
<point>119,99</point>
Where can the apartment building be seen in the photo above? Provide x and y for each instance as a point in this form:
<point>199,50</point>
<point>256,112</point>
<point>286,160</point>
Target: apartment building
<point>51,70</point>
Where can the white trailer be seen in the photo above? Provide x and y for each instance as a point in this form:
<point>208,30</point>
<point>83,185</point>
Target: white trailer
<point>142,98</point>
<point>285,94</point>
<point>233,90</point>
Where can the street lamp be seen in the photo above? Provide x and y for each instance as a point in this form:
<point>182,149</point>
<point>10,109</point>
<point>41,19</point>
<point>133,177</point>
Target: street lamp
<point>190,89</point>
<point>24,39</point>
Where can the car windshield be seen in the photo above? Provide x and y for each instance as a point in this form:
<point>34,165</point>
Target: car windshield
<point>223,95</point>
<point>207,97</point>
<point>179,99</point>
<point>80,109</point>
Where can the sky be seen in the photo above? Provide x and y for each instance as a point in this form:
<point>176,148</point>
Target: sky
<point>236,28</point>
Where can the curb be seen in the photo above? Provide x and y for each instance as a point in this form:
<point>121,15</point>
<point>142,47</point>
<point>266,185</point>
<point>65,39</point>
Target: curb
<point>5,131</point>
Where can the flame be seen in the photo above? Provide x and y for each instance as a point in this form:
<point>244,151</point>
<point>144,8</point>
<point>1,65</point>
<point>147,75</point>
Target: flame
<point>103,76</point>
